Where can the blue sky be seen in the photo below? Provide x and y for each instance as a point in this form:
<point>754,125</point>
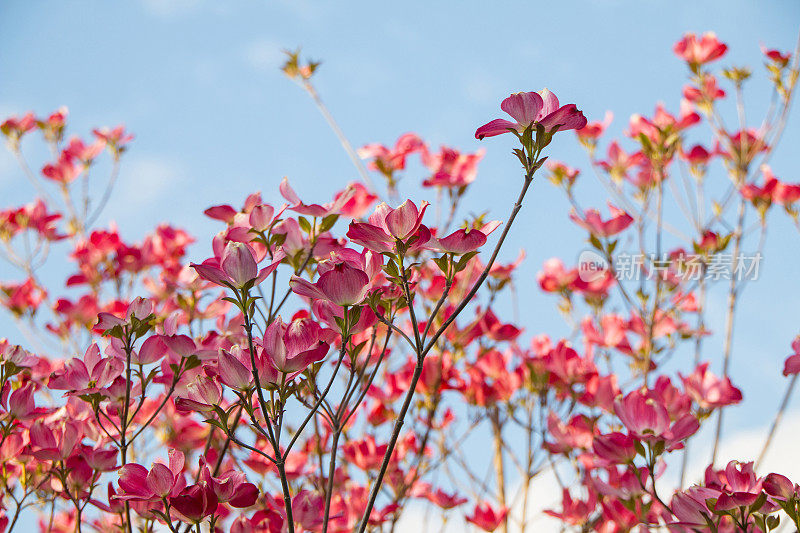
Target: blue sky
<point>198,83</point>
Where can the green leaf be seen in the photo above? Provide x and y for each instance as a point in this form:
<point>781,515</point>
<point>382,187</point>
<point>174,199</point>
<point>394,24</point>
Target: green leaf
<point>191,362</point>
<point>773,521</point>
<point>759,503</point>
<point>328,222</point>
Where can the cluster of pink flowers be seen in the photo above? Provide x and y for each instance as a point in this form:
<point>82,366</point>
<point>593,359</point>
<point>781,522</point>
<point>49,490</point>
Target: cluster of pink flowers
<point>449,168</point>
<point>334,360</point>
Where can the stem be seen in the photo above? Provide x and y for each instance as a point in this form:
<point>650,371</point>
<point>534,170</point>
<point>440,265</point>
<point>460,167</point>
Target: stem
<point>778,418</point>
<point>351,153</point>
<point>167,396</point>
<point>697,351</point>
<point>656,268</point>
<point>729,323</point>
<point>499,468</point>
<point>331,471</point>
<point>106,194</point>
<point>124,425</point>
<point>421,353</point>
<point>279,461</point>
<point>515,209</point>
<point>315,408</point>
<point>30,175</point>
<point>529,465</point>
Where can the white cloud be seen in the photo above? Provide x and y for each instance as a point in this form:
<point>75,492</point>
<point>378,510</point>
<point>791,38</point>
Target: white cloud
<point>544,493</point>
<point>747,444</point>
<point>744,445</point>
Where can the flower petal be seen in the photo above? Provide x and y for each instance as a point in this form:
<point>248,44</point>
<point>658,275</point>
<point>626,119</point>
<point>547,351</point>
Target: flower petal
<point>524,107</point>
<point>495,127</point>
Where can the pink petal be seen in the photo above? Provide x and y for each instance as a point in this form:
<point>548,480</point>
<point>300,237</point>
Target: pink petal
<point>274,346</point>
<point>305,288</point>
<point>344,285</point>
<point>550,102</point>
<point>212,273</point>
<point>183,345</point>
<point>301,361</point>
<point>246,495</point>
<point>288,193</point>
<point>232,372</point>
<point>566,118</point>
<point>300,335</point>
<point>176,461</point>
<point>462,241</point>
<point>224,213</point>
<point>369,236</point>
<point>524,107</point>
<point>401,222</point>
<point>495,127</point>
<point>133,480</point>
<point>153,349</point>
<point>239,263</point>
<point>160,480</point>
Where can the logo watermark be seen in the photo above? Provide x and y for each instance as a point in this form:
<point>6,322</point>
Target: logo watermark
<point>591,266</point>
<point>685,267</point>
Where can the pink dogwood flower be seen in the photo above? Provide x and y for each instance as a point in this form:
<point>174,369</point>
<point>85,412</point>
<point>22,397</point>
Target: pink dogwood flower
<point>236,268</point>
<point>705,93</point>
<point>615,447</point>
<point>139,308</point>
<point>575,511</point>
<point>463,240</point>
<point>54,441</point>
<point>314,210</point>
<point>593,130</point>
<point>341,285</point>
<point>235,369</point>
<point>195,503</point>
<point>292,347</point>
<point>136,483</point>
<point>116,137</point>
<point>451,168</point>
<point>741,486</point>
<point>649,420</point>
<point>699,51</point>
<point>386,226</point>
<point>91,375</point>
<point>534,108</point>
<point>388,160</point>
<point>20,405</point>
<point>792,363</point>
<point>696,156</point>
<point>663,123</point>
<point>554,276</point>
<point>780,487</point>
<point>709,391</point>
<point>64,170</point>
<point>201,395</point>
<point>690,507</point>
<point>594,223</point>
<point>360,199</point>
<point>15,127</point>
<point>486,517</point>
<point>231,487</point>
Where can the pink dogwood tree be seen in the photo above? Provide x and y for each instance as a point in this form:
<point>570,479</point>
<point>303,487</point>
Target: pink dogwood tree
<point>334,363</point>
